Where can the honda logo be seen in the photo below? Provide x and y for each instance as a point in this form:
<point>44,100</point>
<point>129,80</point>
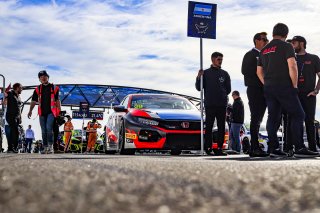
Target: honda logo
<point>185,125</point>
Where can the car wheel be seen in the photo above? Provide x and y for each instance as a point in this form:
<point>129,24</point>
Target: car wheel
<point>175,152</point>
<point>122,150</point>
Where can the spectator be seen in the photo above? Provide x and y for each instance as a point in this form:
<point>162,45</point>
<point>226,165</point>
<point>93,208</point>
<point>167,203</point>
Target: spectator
<point>277,70</point>
<point>13,116</point>
<point>237,119</point>
<point>29,135</point>
<point>217,86</point>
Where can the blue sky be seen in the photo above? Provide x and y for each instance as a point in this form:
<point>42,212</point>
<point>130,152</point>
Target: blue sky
<point>140,43</point>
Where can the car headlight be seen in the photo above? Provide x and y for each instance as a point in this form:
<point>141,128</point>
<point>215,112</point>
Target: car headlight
<point>148,122</point>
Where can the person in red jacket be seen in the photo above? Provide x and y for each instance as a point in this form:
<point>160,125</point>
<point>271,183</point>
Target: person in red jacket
<point>47,96</point>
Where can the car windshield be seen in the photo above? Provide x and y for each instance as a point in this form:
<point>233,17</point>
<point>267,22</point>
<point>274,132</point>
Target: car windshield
<point>161,102</point>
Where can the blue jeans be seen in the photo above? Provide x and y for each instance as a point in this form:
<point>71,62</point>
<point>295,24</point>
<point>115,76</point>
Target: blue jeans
<point>285,97</point>
<point>235,136</point>
<point>7,131</point>
<point>46,123</point>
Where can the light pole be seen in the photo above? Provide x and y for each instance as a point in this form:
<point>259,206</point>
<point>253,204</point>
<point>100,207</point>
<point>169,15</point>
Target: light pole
<point>3,90</point>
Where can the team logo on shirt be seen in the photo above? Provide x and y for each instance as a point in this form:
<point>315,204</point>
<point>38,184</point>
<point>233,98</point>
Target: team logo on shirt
<point>307,62</point>
<point>269,50</point>
<point>221,79</point>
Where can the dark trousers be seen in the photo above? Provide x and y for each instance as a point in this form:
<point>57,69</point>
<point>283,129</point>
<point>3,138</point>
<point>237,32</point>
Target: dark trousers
<point>257,105</point>
<point>309,107</point>
<point>56,143</point>
<point>213,113</point>
<point>284,97</point>
<point>28,144</point>
<point>13,133</point>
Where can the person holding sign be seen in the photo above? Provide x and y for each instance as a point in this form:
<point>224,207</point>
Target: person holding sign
<point>217,87</point>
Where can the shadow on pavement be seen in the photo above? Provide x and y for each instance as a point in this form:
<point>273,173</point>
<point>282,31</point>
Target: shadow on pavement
<point>259,159</point>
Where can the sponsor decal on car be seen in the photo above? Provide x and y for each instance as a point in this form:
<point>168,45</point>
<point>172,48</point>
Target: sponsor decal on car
<point>131,136</point>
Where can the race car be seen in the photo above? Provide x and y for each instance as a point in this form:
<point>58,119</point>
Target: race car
<point>153,122</point>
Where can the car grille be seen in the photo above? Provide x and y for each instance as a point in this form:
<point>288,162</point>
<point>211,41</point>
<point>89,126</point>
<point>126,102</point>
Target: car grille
<point>183,141</point>
<point>177,125</point>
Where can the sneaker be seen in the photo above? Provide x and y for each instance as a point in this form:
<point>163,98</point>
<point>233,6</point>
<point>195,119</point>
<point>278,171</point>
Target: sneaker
<point>50,150</point>
<point>258,153</point>
<point>278,153</point>
<point>44,150</point>
<point>290,153</point>
<point>209,152</point>
<point>305,153</point>
<point>219,152</point>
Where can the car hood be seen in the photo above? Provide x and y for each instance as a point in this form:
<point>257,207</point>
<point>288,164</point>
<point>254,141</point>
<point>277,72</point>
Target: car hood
<point>171,114</point>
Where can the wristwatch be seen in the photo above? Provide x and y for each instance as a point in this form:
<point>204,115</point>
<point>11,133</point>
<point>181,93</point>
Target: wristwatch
<point>316,91</point>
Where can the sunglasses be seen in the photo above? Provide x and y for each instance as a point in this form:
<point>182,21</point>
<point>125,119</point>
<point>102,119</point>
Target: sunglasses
<point>264,39</point>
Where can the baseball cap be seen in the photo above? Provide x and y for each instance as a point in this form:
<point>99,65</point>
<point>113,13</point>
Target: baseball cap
<point>43,73</point>
<point>300,39</point>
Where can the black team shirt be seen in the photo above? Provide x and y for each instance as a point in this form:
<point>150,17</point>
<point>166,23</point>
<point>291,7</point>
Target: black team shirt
<point>237,114</point>
<point>249,68</point>
<point>273,59</point>
<point>217,86</point>
<point>308,67</point>
<point>45,98</point>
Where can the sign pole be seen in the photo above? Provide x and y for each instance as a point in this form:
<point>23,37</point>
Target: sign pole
<point>202,24</point>
<point>201,95</point>
<point>82,132</point>
<point>3,106</point>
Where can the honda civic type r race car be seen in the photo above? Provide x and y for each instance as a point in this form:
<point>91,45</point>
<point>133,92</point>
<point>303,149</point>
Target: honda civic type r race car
<point>153,122</point>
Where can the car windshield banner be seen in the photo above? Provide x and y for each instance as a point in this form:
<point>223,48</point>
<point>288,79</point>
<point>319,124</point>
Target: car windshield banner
<point>202,20</point>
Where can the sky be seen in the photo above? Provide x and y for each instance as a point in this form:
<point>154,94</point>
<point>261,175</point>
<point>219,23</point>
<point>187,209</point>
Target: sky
<point>138,43</point>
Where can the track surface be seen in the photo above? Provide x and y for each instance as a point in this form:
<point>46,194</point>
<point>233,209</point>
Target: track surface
<point>157,183</point>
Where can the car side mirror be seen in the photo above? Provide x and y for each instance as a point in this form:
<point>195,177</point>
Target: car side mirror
<point>120,108</point>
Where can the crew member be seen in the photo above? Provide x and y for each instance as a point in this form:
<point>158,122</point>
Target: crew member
<point>277,70</point>
<point>92,130</point>
<point>308,69</point>
<point>257,102</point>
<point>68,127</point>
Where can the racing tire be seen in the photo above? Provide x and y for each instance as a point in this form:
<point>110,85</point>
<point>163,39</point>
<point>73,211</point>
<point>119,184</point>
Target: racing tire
<point>122,150</point>
<point>175,152</point>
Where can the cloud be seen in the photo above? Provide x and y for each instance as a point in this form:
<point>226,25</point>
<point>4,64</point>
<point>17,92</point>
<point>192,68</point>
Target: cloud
<point>140,43</point>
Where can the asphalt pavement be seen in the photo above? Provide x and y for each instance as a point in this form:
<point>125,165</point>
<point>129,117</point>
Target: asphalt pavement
<point>32,183</point>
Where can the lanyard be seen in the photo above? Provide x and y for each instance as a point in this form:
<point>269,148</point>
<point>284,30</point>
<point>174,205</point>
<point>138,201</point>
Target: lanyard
<point>301,70</point>
<point>302,64</point>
